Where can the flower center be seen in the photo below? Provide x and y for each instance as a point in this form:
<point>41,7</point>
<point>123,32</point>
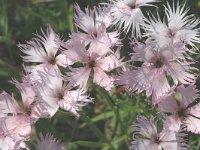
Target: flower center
<point>171,33</point>
<point>157,140</point>
<point>158,63</point>
<point>60,96</point>
<point>52,60</point>
<point>28,111</point>
<point>182,113</point>
<point>95,34</point>
<point>92,64</point>
<point>132,5</point>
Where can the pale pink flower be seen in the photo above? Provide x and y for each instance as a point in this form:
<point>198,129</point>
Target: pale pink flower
<point>93,24</point>
<point>179,27</point>
<point>56,95</point>
<point>184,112</point>
<point>146,136</point>
<point>16,120</point>
<point>16,124</point>
<point>157,64</point>
<point>33,108</point>
<point>48,142</point>
<point>8,143</point>
<point>17,128</point>
<point>43,51</point>
<point>127,14</point>
<point>98,58</point>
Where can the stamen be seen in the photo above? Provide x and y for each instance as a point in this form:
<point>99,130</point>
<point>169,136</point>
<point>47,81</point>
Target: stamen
<point>158,63</point>
<point>52,60</point>
<point>92,64</point>
<point>182,113</point>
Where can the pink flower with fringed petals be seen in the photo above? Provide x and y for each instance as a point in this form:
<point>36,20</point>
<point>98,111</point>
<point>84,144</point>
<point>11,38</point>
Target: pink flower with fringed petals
<point>98,58</point>
<point>185,112</point>
<point>44,50</point>
<point>34,108</point>
<point>146,136</point>
<point>93,24</point>
<point>48,142</point>
<point>179,27</point>
<point>16,124</point>
<point>127,14</point>
<point>17,120</point>
<point>157,64</point>
<point>55,94</point>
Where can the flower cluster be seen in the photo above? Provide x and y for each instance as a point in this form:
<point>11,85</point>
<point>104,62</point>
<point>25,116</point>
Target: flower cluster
<point>57,73</point>
<point>146,136</point>
<point>44,90</point>
<point>165,70</point>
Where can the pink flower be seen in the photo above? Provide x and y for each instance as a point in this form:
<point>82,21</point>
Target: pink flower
<point>16,131</point>
<point>127,14</point>
<point>98,58</point>
<point>157,64</point>
<point>16,121</point>
<point>54,93</point>
<point>48,142</point>
<point>16,124</point>
<point>31,106</point>
<point>179,27</point>
<point>146,136</point>
<point>93,24</point>
<point>43,51</point>
<point>184,112</point>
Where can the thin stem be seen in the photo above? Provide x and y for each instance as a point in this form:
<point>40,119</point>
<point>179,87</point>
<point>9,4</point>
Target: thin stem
<point>116,124</point>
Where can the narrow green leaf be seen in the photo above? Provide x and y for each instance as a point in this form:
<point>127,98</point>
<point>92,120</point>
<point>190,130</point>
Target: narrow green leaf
<point>4,17</point>
<point>100,117</point>
<point>106,98</point>
<point>109,101</point>
<point>93,127</point>
<point>90,144</point>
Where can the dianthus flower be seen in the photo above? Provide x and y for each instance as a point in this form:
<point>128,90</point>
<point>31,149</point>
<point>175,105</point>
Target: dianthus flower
<point>98,58</point>
<point>54,92</point>
<point>182,110</point>
<point>159,66</point>
<point>179,27</point>
<point>16,121</point>
<point>48,142</point>
<point>44,51</point>
<point>147,137</point>
<point>127,14</point>
<point>93,24</point>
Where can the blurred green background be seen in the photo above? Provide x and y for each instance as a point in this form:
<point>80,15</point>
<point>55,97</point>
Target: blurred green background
<point>102,125</point>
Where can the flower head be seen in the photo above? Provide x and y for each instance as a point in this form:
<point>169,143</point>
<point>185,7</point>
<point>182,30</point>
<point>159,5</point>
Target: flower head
<point>15,125</point>
<point>179,27</point>
<point>16,120</point>
<point>183,111</point>
<point>146,136</point>
<point>55,94</point>
<point>93,24</point>
<point>98,58</point>
<point>127,14</point>
<point>158,64</point>
<point>44,50</point>
<point>48,142</point>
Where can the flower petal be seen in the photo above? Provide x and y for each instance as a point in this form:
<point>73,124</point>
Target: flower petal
<point>102,79</point>
<point>8,105</point>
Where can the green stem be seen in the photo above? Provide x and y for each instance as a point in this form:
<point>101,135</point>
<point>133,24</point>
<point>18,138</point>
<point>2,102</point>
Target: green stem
<point>95,129</point>
<point>110,102</point>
